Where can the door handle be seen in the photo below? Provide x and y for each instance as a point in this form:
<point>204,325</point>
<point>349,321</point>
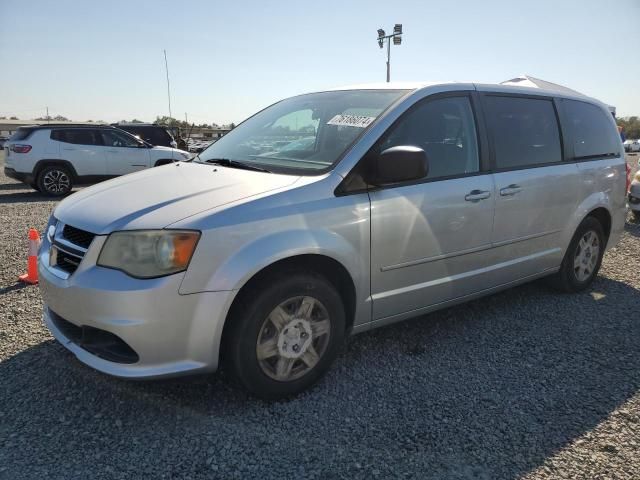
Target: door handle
<point>477,195</point>
<point>510,190</point>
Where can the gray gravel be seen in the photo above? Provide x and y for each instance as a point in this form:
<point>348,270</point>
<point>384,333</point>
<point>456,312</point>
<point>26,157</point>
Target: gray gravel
<point>527,383</point>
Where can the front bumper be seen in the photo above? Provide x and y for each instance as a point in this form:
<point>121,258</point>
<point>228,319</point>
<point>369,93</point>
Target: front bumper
<point>20,176</point>
<point>171,334</point>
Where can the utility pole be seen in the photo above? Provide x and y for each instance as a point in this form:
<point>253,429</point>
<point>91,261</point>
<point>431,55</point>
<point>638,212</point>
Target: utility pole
<point>47,114</point>
<point>397,40</point>
<point>166,66</point>
<point>185,118</point>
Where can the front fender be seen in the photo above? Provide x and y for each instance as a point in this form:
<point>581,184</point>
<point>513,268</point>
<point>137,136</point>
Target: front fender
<point>234,271</point>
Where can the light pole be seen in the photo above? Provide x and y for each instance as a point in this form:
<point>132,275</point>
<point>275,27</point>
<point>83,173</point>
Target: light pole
<point>397,40</point>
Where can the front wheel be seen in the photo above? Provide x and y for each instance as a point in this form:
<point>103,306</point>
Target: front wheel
<point>582,259</point>
<point>55,181</point>
<point>285,334</point>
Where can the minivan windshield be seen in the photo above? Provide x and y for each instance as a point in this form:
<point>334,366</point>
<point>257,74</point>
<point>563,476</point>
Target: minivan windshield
<point>307,133</point>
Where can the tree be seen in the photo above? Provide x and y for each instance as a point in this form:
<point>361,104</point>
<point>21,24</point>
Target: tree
<point>171,122</point>
<point>13,118</point>
<point>630,127</point>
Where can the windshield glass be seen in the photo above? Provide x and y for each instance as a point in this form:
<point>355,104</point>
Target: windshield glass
<point>308,132</point>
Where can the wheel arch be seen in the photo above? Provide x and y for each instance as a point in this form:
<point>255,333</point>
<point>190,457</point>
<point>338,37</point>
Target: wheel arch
<point>334,271</point>
<point>598,205</point>
<point>42,164</point>
<point>604,217</point>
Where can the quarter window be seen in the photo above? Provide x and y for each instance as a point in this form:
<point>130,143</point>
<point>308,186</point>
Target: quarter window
<point>525,131</point>
<point>77,136</point>
<point>444,128</point>
<point>592,133</point>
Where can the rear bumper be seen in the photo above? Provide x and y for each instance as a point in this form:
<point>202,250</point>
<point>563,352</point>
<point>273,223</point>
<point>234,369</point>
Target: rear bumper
<point>20,176</point>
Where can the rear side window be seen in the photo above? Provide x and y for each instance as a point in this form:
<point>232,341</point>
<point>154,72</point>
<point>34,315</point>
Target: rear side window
<point>525,131</point>
<point>77,136</point>
<point>592,132</point>
<point>21,134</point>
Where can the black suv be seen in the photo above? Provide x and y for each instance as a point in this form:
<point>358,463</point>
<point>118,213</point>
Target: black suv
<point>157,135</point>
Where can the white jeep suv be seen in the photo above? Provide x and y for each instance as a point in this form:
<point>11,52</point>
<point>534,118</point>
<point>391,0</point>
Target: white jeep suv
<point>53,158</point>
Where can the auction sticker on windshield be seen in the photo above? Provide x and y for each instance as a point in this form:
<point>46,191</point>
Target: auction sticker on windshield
<point>351,121</point>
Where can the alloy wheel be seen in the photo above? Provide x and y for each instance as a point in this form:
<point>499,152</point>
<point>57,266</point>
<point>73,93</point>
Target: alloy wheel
<point>56,181</point>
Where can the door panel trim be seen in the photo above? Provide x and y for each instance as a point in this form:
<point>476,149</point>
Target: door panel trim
<point>434,258</point>
<point>471,273</point>
<point>467,251</point>
<point>363,327</point>
<point>525,238</point>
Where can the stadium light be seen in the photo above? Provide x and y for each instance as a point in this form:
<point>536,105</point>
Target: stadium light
<point>397,40</point>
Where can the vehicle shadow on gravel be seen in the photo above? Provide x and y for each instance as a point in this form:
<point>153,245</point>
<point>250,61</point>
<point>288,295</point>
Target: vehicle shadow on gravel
<point>27,196</point>
<point>489,389</point>
<point>12,186</point>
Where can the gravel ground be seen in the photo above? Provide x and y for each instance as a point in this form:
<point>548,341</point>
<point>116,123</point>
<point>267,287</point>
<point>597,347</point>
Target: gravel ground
<point>523,384</point>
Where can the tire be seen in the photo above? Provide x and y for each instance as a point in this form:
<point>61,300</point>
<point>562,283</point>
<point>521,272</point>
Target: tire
<point>35,186</point>
<point>635,216</point>
<point>55,181</point>
<point>581,263</point>
<point>286,314</point>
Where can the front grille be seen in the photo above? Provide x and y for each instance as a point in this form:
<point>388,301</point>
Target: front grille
<point>79,237</point>
<point>67,258</point>
<point>67,262</point>
<point>99,342</point>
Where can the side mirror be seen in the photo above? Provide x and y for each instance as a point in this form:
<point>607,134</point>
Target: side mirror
<point>398,164</point>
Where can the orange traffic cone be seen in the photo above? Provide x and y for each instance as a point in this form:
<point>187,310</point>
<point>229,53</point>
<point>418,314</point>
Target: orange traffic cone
<point>32,264</point>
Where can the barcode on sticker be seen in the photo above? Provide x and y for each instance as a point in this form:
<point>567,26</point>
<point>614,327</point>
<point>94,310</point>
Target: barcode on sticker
<point>351,121</point>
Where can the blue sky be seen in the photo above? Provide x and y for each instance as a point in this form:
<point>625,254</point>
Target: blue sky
<point>103,60</point>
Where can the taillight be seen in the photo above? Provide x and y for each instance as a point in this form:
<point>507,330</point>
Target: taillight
<point>628,167</point>
<point>20,148</point>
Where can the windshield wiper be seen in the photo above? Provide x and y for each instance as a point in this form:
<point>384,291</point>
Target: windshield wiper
<point>225,162</point>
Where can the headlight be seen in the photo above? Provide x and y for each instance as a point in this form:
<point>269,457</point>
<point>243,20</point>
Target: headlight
<point>149,253</point>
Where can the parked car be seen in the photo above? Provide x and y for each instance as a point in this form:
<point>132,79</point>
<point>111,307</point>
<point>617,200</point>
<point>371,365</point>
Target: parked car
<point>631,146</point>
<point>53,158</point>
<point>414,198</point>
<point>3,140</point>
<point>156,135</point>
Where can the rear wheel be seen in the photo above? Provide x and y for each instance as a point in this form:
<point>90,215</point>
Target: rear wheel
<point>582,259</point>
<point>35,186</point>
<point>285,334</point>
<point>55,181</point>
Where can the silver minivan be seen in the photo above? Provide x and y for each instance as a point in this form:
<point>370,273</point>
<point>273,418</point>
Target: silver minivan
<point>329,214</point>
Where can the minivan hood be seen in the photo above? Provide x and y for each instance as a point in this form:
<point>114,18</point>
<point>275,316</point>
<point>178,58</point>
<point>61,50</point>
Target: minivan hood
<point>160,196</point>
